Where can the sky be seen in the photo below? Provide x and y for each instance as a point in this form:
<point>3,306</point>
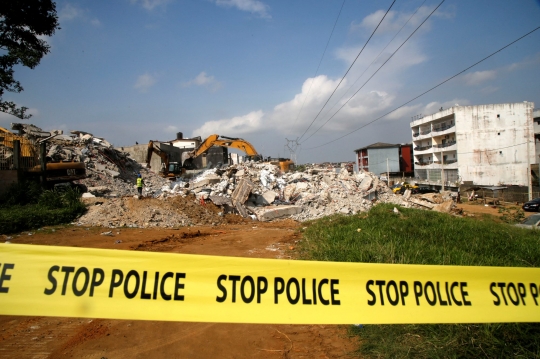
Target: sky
<point>268,71</point>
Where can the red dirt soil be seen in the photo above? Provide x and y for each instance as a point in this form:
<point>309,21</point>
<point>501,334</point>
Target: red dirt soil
<point>51,337</point>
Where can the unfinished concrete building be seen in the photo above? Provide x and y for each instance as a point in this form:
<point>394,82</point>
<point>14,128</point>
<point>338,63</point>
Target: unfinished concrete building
<point>483,145</point>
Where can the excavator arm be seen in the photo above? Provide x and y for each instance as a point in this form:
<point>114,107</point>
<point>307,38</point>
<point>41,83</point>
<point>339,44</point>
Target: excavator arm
<point>223,141</point>
<point>154,149</point>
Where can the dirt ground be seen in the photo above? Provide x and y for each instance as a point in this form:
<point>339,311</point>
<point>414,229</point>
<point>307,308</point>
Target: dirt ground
<point>478,208</point>
<point>230,235</point>
<point>49,337</point>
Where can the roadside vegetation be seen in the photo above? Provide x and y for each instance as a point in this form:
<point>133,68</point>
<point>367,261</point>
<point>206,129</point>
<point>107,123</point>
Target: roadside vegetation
<point>426,237</point>
<point>27,206</point>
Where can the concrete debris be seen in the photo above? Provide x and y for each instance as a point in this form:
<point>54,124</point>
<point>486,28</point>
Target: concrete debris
<point>253,190</point>
<point>110,172</point>
<point>261,189</point>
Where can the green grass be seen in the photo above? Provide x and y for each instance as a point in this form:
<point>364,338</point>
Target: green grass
<point>26,206</point>
<point>426,237</point>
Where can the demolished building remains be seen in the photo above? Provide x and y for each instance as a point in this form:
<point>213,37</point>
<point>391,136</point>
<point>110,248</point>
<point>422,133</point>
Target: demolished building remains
<point>256,190</point>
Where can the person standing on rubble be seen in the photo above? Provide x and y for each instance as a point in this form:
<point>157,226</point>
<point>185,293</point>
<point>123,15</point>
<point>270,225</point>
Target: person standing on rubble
<point>140,183</point>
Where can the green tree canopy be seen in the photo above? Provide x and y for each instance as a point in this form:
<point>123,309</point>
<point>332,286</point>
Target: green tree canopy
<point>22,24</point>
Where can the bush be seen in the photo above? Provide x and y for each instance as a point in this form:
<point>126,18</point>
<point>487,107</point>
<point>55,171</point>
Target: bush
<point>27,206</point>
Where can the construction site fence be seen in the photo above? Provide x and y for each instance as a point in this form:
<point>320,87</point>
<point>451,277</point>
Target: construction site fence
<point>28,152</point>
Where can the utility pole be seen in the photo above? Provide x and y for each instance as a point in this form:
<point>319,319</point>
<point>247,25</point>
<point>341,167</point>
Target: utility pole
<point>387,173</point>
<point>529,135</point>
<point>292,146</point>
<point>442,170</point>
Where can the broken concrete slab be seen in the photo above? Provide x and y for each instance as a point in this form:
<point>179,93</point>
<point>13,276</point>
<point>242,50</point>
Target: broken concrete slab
<point>365,184</point>
<point>112,173</point>
<point>220,200</point>
<point>208,181</point>
<point>242,191</point>
<point>241,209</point>
<point>444,207</point>
<point>273,212</point>
<point>421,203</point>
<point>269,196</point>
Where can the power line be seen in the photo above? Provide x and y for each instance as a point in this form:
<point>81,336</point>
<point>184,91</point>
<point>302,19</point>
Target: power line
<point>320,61</point>
<point>400,46</point>
<point>340,81</point>
<point>376,58</point>
<point>425,92</point>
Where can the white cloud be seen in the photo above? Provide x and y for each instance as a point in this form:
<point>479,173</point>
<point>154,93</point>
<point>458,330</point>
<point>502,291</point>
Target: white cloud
<point>69,12</point>
<point>95,22</point>
<point>252,6</point>
<point>150,4</point>
<point>490,89</point>
<point>395,20</point>
<point>286,118</point>
<point>171,128</point>
<point>7,119</point>
<point>475,78</point>
<point>236,126</point>
<point>204,80</point>
<point>72,12</point>
<point>434,107</point>
<point>144,82</point>
<point>533,60</point>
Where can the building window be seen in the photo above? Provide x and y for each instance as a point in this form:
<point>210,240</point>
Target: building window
<point>498,133</point>
<point>498,116</point>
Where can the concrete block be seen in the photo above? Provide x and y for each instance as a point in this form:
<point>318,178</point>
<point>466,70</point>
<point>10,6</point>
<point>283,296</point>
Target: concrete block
<point>421,203</point>
<point>444,207</point>
<point>220,200</point>
<point>99,190</point>
<point>240,173</point>
<point>242,191</point>
<point>269,196</point>
<point>365,184</point>
<point>113,174</point>
<point>207,181</point>
<point>288,192</point>
<point>273,212</point>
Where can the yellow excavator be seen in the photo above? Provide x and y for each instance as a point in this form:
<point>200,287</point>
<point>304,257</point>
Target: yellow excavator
<point>223,141</point>
<point>172,170</point>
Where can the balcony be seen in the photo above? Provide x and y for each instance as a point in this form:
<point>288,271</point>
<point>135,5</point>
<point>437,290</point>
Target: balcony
<point>443,127</point>
<point>416,134</point>
<point>423,163</point>
<point>425,132</point>
<point>422,148</point>
<point>444,145</point>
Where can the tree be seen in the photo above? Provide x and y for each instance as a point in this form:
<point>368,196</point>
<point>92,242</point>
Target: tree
<point>22,23</point>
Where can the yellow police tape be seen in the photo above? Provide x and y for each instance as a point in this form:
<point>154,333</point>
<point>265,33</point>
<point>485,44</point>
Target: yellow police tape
<point>97,283</point>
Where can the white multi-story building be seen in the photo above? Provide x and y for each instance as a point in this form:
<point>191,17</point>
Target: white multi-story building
<point>483,145</point>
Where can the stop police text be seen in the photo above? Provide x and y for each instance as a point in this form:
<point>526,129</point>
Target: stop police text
<point>432,293</point>
<point>133,283</point>
<point>296,291</point>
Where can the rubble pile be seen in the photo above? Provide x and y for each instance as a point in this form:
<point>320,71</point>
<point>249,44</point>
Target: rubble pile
<point>262,191</point>
<point>257,190</point>
<point>149,212</point>
<point>110,173</point>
